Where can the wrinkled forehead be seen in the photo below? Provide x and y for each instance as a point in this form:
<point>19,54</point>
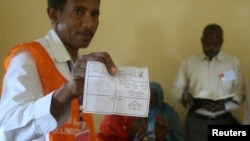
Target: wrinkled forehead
<point>212,33</point>
<point>212,36</point>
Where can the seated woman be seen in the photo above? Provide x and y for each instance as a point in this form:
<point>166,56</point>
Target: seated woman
<point>162,117</point>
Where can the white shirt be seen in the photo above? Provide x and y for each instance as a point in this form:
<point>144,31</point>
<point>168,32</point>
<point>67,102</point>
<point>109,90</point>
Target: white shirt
<point>197,73</point>
<point>24,110</point>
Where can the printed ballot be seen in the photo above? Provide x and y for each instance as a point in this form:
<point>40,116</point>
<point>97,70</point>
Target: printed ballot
<point>126,93</point>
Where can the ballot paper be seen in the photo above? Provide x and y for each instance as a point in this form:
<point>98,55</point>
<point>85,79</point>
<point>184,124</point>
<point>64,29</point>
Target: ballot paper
<point>126,93</point>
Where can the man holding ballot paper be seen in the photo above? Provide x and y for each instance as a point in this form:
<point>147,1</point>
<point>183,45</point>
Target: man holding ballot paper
<point>210,85</point>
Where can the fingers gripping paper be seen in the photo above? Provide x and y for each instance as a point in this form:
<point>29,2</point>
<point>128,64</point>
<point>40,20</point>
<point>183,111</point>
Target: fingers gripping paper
<point>126,93</point>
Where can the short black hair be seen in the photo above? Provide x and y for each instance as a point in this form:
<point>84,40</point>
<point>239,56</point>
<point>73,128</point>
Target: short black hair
<point>215,28</point>
<point>58,4</point>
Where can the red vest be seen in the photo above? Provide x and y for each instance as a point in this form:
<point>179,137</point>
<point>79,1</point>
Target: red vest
<point>52,79</point>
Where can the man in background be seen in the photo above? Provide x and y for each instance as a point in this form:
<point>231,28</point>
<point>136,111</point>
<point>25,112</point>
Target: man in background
<point>211,74</point>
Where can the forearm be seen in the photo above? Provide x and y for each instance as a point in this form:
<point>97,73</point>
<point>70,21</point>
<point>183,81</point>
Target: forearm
<point>60,99</point>
<point>28,120</point>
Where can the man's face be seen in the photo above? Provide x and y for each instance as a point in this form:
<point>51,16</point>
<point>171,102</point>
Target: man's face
<point>211,44</point>
<point>77,22</point>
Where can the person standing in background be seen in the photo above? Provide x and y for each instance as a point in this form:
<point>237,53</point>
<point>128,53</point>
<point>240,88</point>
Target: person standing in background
<point>162,117</point>
<point>215,73</point>
<point>44,79</point>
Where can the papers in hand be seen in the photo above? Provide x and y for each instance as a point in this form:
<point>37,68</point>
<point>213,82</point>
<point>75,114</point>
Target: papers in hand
<point>126,93</point>
<point>208,95</point>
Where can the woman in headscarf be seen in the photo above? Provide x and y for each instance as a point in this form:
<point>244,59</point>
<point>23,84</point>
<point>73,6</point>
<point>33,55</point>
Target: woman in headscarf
<point>164,110</point>
<point>162,118</point>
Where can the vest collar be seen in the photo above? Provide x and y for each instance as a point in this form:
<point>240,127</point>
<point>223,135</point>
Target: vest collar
<point>57,48</point>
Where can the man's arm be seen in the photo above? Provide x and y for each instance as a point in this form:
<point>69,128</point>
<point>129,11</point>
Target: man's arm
<point>24,111</point>
<point>75,86</point>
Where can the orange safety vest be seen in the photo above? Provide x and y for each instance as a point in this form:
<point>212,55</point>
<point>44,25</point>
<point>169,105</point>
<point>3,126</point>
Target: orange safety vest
<point>52,79</point>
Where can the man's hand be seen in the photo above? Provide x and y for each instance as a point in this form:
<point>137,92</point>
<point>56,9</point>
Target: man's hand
<point>214,106</point>
<point>76,82</point>
<point>187,100</point>
<point>75,86</point>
